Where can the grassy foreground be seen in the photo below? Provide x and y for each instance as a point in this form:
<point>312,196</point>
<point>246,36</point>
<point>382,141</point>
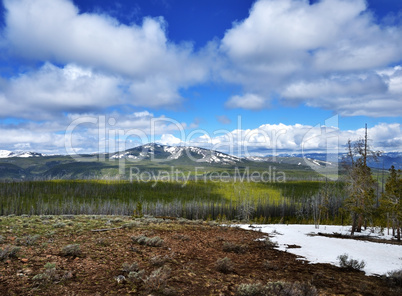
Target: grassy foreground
<point>112,255</point>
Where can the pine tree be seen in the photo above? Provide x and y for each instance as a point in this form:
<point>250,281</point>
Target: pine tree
<point>361,199</point>
<point>391,202</point>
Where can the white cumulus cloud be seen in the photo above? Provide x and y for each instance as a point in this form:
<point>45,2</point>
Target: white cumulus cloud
<point>325,54</point>
<point>152,68</point>
<point>275,139</point>
<point>247,101</point>
<point>51,90</point>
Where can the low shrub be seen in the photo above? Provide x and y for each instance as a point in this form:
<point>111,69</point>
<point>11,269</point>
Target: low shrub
<point>268,265</point>
<point>49,275</point>
<point>345,262</point>
<point>68,217</point>
<point>235,248</point>
<point>28,240</point>
<point>9,252</point>
<point>50,233</point>
<point>136,276</point>
<point>141,240</point>
<point>183,220</point>
<point>46,217</point>
<point>182,237</point>
<point>291,289</point>
<point>395,277</point>
<point>295,289</point>
<point>127,267</point>
<point>250,290</point>
<point>159,260</point>
<point>117,220</point>
<point>131,224</point>
<point>59,225</point>
<point>71,250</point>
<point>100,241</point>
<point>268,244</point>
<point>224,265</point>
<point>155,241</point>
<point>40,278</point>
<point>157,280</point>
<point>277,289</point>
<point>120,279</point>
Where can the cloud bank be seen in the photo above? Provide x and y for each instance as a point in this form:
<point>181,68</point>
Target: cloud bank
<point>331,54</point>
<point>274,139</point>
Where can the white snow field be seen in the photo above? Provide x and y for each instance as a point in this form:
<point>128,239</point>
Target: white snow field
<point>380,258</point>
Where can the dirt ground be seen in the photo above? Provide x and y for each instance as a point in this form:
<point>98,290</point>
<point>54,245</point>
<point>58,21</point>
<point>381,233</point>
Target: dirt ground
<point>184,264</point>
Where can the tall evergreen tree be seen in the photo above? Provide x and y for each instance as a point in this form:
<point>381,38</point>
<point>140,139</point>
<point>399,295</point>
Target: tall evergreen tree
<point>391,202</point>
<point>361,199</point>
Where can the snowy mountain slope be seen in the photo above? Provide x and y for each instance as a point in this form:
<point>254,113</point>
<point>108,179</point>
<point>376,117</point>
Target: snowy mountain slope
<point>4,153</point>
<point>159,152</point>
<point>24,154</point>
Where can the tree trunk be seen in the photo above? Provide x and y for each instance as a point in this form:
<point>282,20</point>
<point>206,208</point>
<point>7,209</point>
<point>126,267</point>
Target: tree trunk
<point>393,228</point>
<point>360,223</point>
<point>353,224</point>
<point>388,223</point>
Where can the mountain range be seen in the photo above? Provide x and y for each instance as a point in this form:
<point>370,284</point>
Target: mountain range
<point>33,165</point>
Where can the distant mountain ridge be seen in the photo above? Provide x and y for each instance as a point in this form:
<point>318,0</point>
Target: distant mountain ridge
<point>190,155</point>
<point>160,152</point>
<point>386,160</point>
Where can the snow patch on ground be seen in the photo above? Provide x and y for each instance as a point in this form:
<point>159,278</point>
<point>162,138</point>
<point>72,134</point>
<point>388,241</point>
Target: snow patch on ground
<point>380,258</point>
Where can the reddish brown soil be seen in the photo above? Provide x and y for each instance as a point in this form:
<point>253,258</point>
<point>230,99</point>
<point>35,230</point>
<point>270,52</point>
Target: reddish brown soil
<point>192,251</point>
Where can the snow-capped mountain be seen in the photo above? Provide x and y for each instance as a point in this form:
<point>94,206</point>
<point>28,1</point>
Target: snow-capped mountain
<point>165,153</point>
<point>257,158</point>
<point>24,154</point>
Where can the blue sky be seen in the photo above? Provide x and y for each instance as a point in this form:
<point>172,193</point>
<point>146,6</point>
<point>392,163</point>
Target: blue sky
<point>248,69</point>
